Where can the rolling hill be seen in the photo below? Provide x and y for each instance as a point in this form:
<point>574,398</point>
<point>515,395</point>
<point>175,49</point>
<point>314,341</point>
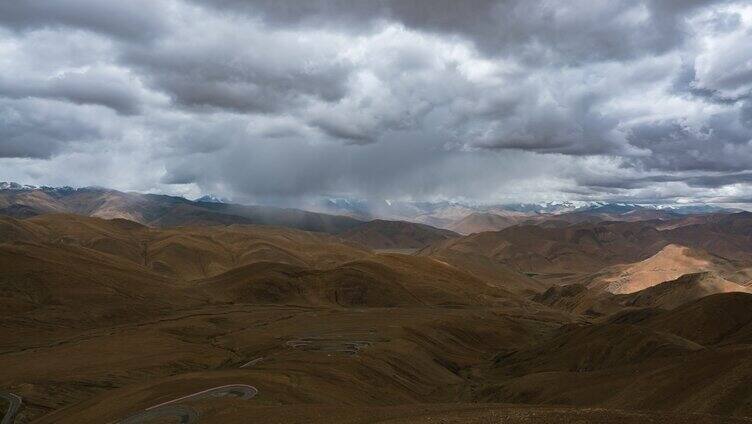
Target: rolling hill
<point>103,318</point>
<point>576,253</point>
<point>669,263</point>
<point>159,210</point>
<point>691,359</point>
<point>380,234</point>
<point>687,288</point>
<point>580,248</point>
<point>479,222</point>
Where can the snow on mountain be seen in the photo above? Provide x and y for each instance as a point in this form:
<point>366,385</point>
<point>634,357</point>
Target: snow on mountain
<point>442,213</point>
<point>210,198</point>
<point>10,185</point>
<point>446,213</point>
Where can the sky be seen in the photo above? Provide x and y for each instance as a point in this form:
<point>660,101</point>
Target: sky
<point>282,102</point>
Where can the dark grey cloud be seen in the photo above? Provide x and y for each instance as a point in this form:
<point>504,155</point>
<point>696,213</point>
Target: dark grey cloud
<point>546,126</point>
<point>340,128</point>
<point>80,88</point>
<point>33,129</point>
<point>714,181</point>
<point>133,19</point>
<point>719,143</point>
<point>541,31</point>
<point>392,168</point>
<point>686,84</point>
<point>280,100</point>
<point>698,181</point>
<point>240,68</point>
<point>745,114</point>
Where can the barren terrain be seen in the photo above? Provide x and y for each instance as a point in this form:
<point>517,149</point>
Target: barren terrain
<point>114,321</point>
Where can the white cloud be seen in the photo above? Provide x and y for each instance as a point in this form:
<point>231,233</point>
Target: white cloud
<point>526,100</point>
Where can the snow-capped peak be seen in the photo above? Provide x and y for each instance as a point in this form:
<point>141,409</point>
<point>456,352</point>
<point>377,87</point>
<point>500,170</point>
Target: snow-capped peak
<point>210,198</point>
<point>10,185</point>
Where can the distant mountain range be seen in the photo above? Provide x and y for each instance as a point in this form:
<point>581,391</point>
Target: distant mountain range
<point>210,198</point>
<point>335,215</point>
<point>161,211</point>
<point>371,207</point>
<point>468,218</point>
<point>156,210</point>
<point>443,209</point>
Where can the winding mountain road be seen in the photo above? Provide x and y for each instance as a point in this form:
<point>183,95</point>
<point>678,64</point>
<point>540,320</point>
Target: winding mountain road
<point>187,415</point>
<point>14,403</point>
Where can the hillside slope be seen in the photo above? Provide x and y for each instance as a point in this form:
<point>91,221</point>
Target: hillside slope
<point>160,210</point>
<point>479,222</point>
<point>685,289</point>
<point>380,234</point>
<point>669,263</point>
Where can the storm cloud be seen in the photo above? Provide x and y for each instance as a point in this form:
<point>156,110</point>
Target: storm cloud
<point>285,101</point>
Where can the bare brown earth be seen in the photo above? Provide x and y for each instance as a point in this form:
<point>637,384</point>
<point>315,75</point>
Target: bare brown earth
<point>102,319</point>
<point>595,302</point>
<point>689,287</point>
<point>161,211</point>
<point>381,234</point>
<point>581,248</point>
<point>479,222</point>
<point>576,253</point>
<point>669,263</point>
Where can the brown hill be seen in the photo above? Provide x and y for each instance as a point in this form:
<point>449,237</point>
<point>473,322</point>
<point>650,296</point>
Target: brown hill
<point>378,281</point>
<point>85,283</point>
<point>586,348</point>
<point>742,276</point>
<point>199,252</point>
<point>687,288</point>
<point>499,219</point>
<point>50,284</point>
<point>190,252</point>
<point>575,252</point>
<point>655,375</point>
<point>723,318</point>
<point>381,234</point>
<point>580,248</point>
<point>168,211</point>
<point>89,316</point>
<point>669,263</point>
<point>579,299</point>
<point>103,319</point>
<point>487,269</point>
<point>298,266</point>
<point>594,302</point>
<point>159,210</point>
<point>693,358</point>
<point>728,236</point>
<point>356,284</point>
<point>479,222</point>
<point>618,213</point>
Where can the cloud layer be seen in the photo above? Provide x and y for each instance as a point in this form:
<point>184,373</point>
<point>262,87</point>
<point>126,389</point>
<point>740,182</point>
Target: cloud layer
<point>285,101</point>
